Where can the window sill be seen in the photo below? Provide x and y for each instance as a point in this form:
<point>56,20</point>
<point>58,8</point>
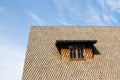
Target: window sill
<point>82,59</point>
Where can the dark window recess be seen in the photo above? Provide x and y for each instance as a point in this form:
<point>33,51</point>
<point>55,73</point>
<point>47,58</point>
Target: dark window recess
<point>76,52</point>
<point>80,53</point>
<point>72,52</point>
<point>71,56</point>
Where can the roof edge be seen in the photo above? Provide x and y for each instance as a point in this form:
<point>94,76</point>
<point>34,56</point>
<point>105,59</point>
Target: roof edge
<point>73,26</point>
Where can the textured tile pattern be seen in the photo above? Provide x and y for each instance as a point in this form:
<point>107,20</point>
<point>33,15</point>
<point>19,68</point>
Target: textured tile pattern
<point>43,60</point>
<point>88,54</point>
<point>65,54</point>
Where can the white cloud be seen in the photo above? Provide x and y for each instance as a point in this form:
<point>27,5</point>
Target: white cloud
<point>106,18</point>
<point>68,6</point>
<point>102,4</point>
<point>94,17</point>
<point>113,4</point>
<point>11,61</point>
<point>36,18</point>
<point>71,13</point>
<point>63,22</point>
<point>107,7</point>
<point>109,19</point>
<point>67,9</point>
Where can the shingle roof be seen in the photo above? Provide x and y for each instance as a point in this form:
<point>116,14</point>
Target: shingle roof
<point>43,60</point>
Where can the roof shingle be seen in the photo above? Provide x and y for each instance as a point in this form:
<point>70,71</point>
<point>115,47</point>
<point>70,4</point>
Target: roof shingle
<point>43,60</point>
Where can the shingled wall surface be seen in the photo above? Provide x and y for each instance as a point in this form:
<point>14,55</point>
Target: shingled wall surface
<point>43,61</point>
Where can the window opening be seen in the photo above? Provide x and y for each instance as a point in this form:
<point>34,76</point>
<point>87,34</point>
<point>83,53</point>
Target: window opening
<point>76,52</point>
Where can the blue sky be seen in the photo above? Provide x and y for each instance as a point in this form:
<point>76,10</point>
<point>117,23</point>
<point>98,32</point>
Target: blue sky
<point>17,17</point>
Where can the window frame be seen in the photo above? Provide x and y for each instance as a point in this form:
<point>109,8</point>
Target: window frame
<point>74,52</point>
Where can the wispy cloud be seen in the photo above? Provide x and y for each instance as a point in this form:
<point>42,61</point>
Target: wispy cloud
<point>11,61</point>
<point>114,4</point>
<point>101,17</point>
<point>72,13</point>
<point>67,11</point>
<point>107,10</point>
<point>36,18</point>
<point>64,22</point>
<point>109,19</point>
<point>94,17</point>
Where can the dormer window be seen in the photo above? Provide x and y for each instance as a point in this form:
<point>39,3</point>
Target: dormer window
<point>76,52</point>
<point>76,49</point>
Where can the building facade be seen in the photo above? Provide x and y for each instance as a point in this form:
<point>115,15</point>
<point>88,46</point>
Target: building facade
<point>73,53</point>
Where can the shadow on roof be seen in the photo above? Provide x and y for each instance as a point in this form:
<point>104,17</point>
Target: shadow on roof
<point>96,51</point>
